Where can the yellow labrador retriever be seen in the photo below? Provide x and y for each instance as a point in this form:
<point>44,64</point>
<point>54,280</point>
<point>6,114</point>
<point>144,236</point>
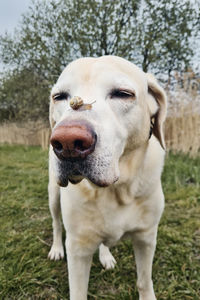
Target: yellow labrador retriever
<point>106,158</point>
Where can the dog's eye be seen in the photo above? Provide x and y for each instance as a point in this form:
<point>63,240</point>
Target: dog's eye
<point>122,94</point>
<point>60,96</point>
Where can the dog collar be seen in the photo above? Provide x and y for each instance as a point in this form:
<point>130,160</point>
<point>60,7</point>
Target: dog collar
<point>151,127</point>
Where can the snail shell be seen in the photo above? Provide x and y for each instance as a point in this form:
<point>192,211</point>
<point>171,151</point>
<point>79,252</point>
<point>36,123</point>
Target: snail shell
<point>76,102</point>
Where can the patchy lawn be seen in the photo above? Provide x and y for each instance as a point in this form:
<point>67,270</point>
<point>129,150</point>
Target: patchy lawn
<point>26,235</point>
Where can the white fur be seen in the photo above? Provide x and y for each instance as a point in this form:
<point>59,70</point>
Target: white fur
<point>132,206</point>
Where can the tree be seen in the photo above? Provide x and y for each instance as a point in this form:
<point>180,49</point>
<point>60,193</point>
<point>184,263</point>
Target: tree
<point>52,33</point>
<point>165,35</point>
<point>23,95</point>
<point>155,34</point>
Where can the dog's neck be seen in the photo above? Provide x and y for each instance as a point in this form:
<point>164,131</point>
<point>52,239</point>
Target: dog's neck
<point>130,163</point>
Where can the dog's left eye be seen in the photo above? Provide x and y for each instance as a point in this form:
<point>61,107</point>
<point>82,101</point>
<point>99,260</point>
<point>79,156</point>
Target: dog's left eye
<point>122,94</point>
<point>60,96</point>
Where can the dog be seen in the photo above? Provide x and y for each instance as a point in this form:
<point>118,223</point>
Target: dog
<point>105,163</point>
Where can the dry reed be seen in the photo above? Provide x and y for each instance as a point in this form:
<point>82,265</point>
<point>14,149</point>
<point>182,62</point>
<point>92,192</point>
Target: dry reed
<point>182,129</point>
<point>31,133</point>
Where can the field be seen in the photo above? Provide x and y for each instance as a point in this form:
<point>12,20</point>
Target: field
<point>26,235</point>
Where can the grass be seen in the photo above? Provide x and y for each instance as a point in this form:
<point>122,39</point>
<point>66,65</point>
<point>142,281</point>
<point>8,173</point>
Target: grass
<point>26,235</point>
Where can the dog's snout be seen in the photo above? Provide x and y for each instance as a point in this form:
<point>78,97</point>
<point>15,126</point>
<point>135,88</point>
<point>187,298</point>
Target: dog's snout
<point>73,140</point>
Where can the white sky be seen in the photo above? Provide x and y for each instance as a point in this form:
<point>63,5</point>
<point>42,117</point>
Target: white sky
<point>10,12</point>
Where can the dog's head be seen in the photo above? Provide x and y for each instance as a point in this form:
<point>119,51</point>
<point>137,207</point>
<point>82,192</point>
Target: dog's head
<point>101,108</point>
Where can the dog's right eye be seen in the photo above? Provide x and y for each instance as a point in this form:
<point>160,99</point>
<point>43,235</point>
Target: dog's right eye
<point>60,96</point>
<point>122,94</point>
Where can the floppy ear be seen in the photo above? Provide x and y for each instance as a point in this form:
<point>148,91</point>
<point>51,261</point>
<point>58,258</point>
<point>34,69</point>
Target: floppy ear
<point>157,101</point>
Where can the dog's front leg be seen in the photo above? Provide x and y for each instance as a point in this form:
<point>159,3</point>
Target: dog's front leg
<point>79,264</point>
<point>57,250</point>
<point>144,244</point>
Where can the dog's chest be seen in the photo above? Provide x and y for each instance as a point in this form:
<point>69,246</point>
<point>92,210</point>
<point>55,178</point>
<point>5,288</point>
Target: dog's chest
<point>121,218</point>
<point>105,215</point>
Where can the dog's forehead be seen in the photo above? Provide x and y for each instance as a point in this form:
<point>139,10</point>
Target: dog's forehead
<point>88,69</point>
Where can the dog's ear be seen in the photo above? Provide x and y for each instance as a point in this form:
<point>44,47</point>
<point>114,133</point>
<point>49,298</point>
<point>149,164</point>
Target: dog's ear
<point>157,101</point>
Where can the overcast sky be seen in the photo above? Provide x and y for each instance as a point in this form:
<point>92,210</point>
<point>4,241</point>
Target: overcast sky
<point>10,12</point>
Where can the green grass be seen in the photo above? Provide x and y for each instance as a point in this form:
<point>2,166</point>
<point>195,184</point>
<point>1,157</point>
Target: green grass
<point>26,235</point>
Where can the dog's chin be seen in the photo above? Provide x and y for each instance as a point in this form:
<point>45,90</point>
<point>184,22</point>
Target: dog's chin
<point>103,182</point>
<point>63,182</point>
<point>75,179</point>
<point>98,170</point>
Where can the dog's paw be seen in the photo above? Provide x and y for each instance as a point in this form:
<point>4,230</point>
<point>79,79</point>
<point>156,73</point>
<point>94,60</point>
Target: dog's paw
<point>149,297</point>
<point>56,253</point>
<point>106,258</point>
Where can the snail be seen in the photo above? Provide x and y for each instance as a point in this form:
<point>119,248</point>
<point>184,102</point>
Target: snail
<point>77,103</point>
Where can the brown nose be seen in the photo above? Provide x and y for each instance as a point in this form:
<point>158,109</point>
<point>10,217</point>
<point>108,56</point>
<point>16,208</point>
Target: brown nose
<point>73,140</point>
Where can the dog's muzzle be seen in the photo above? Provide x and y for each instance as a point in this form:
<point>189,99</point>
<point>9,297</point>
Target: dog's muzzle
<point>73,140</point>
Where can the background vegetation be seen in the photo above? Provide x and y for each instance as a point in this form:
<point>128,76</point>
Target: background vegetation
<point>26,236</point>
<point>157,35</point>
